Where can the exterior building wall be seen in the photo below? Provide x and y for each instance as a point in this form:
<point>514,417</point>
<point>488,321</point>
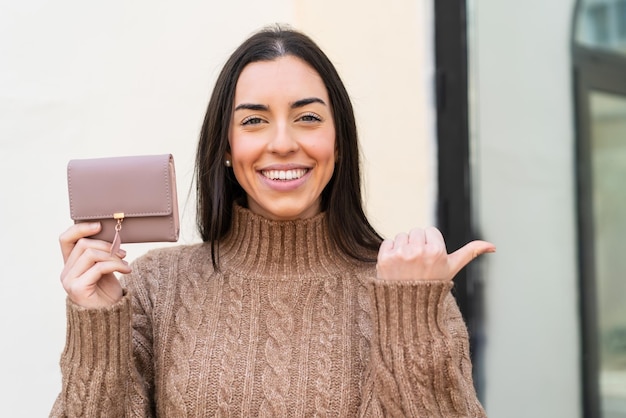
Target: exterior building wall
<point>384,51</point>
<point>83,79</point>
<point>87,79</point>
<point>524,190</point>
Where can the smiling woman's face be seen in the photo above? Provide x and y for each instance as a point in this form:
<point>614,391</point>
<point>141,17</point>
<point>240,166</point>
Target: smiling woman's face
<point>282,138</point>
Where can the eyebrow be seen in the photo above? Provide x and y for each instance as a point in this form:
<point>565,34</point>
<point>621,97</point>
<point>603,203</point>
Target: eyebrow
<point>307,101</point>
<point>251,106</point>
<point>294,105</point>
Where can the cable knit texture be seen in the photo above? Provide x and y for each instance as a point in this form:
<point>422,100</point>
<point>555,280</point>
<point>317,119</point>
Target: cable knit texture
<point>290,327</point>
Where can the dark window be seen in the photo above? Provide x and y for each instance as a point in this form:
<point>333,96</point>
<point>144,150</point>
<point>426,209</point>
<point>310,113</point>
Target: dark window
<point>620,8</point>
<point>599,22</point>
<point>600,92</point>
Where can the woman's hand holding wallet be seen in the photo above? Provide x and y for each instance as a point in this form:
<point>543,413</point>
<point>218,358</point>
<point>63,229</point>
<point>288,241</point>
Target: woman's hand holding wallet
<point>114,200</point>
<point>87,276</point>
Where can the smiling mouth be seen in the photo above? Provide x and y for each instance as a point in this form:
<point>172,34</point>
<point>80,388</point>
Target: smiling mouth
<point>285,175</point>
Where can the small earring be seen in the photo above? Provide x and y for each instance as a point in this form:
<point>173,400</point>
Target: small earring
<point>228,163</point>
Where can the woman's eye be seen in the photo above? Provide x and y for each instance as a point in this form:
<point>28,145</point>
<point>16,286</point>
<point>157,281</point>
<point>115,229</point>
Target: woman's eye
<point>252,120</point>
<point>310,117</point>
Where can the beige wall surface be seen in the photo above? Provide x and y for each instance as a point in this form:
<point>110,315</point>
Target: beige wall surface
<point>88,79</point>
<point>384,51</point>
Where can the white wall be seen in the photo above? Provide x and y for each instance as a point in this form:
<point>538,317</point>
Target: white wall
<point>384,51</point>
<point>85,79</point>
<point>81,79</point>
<point>524,179</point>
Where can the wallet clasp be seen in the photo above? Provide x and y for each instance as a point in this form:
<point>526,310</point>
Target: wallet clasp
<point>117,240</point>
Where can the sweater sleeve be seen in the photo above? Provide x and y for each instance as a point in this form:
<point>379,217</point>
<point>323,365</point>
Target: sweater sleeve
<point>102,363</point>
<point>419,354</point>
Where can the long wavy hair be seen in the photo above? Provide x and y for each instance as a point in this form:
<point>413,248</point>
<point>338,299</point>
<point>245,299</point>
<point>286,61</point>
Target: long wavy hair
<point>216,186</point>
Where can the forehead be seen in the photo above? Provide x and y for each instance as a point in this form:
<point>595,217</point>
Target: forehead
<point>286,77</point>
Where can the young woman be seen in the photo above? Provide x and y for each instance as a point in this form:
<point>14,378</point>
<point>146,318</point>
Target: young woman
<point>293,305</point>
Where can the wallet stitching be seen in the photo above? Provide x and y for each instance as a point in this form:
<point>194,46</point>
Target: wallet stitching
<point>168,212</point>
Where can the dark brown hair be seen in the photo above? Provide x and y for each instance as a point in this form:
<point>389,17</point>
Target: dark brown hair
<point>216,186</point>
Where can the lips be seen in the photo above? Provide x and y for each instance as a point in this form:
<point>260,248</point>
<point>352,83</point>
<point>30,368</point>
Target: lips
<point>285,175</point>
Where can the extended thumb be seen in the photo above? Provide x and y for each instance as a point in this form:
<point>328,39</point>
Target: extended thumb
<point>462,257</point>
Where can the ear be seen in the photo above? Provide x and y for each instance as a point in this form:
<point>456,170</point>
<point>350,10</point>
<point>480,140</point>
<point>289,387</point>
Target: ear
<point>228,156</point>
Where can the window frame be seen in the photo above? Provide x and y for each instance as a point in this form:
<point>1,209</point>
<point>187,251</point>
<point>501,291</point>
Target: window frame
<point>601,71</point>
<point>454,204</point>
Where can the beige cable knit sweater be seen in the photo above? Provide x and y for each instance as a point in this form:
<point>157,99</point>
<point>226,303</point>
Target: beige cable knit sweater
<point>289,328</point>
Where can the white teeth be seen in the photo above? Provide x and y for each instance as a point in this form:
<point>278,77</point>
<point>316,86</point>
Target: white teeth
<point>284,174</point>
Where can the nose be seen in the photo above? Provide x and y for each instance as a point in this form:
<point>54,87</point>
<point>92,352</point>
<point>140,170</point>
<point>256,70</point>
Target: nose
<point>283,141</point>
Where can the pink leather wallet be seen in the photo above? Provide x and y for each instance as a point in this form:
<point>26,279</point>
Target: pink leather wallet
<point>133,197</point>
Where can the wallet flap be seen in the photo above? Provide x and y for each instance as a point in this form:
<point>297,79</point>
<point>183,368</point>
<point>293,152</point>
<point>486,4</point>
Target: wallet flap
<point>137,186</point>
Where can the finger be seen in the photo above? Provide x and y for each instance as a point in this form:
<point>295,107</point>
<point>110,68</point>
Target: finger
<point>385,247</point>
<point>434,237</point>
<point>462,257</point>
<point>68,239</point>
<point>435,248</point>
<point>90,277</point>
<point>417,236</point>
<point>401,240</point>
<point>88,259</point>
<point>83,285</point>
<point>85,244</point>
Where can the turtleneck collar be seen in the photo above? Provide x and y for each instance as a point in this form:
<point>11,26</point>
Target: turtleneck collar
<point>257,246</point>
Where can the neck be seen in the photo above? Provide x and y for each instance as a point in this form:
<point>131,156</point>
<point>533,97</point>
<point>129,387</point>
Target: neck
<point>257,246</point>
